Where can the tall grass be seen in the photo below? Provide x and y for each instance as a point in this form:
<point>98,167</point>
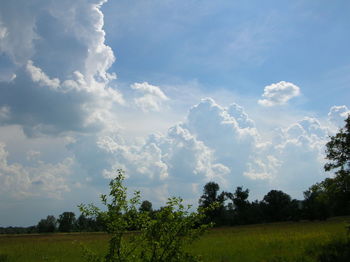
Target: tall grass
<point>51,247</point>
<point>266,242</point>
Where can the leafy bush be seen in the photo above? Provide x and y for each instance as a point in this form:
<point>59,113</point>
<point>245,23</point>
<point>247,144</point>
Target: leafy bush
<point>337,250</point>
<point>4,258</point>
<point>160,237</point>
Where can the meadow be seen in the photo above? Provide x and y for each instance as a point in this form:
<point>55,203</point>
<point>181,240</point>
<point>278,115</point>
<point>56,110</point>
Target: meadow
<point>288,241</point>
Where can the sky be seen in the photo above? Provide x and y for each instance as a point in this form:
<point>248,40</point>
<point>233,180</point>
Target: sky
<point>176,93</point>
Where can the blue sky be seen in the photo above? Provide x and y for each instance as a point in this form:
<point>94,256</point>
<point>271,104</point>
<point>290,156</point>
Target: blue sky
<point>239,46</point>
<point>177,93</point>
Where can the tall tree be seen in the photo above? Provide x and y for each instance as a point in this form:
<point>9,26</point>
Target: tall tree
<point>210,194</point>
<point>338,151</point>
<point>66,222</point>
<point>241,205</point>
<point>277,205</point>
<point>86,224</point>
<point>316,203</point>
<point>338,154</point>
<point>210,197</point>
<point>240,199</point>
<point>47,225</point>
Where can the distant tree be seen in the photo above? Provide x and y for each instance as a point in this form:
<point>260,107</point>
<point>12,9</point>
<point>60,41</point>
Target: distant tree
<point>210,194</point>
<point>66,222</point>
<point>212,197</point>
<point>146,206</point>
<point>256,212</point>
<point>47,225</point>
<point>86,224</point>
<point>18,230</point>
<point>240,198</point>
<point>277,205</point>
<point>316,203</point>
<point>82,223</point>
<point>295,210</point>
<point>241,205</point>
<point>99,224</point>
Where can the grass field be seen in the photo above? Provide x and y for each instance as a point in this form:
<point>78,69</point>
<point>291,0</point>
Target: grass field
<point>266,242</point>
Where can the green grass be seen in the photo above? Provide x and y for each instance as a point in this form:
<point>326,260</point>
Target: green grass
<point>51,247</point>
<point>267,242</point>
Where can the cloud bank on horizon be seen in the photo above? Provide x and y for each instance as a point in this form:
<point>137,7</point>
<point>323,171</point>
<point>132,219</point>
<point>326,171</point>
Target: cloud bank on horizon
<point>62,130</point>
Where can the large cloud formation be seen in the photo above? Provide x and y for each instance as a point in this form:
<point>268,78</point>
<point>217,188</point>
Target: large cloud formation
<point>54,82</point>
<point>214,143</point>
<point>56,63</point>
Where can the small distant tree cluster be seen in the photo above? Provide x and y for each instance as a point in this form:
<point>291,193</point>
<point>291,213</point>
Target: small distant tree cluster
<point>48,225</point>
<point>235,208</point>
<point>66,222</point>
<point>18,230</point>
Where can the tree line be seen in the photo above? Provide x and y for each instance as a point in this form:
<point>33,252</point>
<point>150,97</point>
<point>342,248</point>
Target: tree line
<point>330,197</point>
<point>66,222</point>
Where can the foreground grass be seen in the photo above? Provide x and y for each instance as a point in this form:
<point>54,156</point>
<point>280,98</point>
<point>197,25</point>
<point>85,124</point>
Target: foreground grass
<point>266,242</point>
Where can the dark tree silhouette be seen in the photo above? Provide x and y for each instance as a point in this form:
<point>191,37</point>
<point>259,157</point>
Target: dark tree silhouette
<point>211,196</point>
<point>338,188</point>
<point>240,198</point>
<point>47,225</point>
<point>66,222</point>
<point>316,203</point>
<point>277,205</point>
<point>338,151</point>
<point>146,206</point>
<point>241,206</point>
<point>86,224</point>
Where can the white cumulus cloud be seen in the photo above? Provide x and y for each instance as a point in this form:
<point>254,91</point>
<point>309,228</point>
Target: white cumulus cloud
<point>151,99</point>
<point>72,63</point>
<point>338,114</point>
<point>40,77</point>
<point>214,143</point>
<point>279,94</point>
<point>59,84</point>
<point>39,179</point>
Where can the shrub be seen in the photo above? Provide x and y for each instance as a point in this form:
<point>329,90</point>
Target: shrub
<point>4,258</point>
<point>160,237</point>
<point>337,250</point>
